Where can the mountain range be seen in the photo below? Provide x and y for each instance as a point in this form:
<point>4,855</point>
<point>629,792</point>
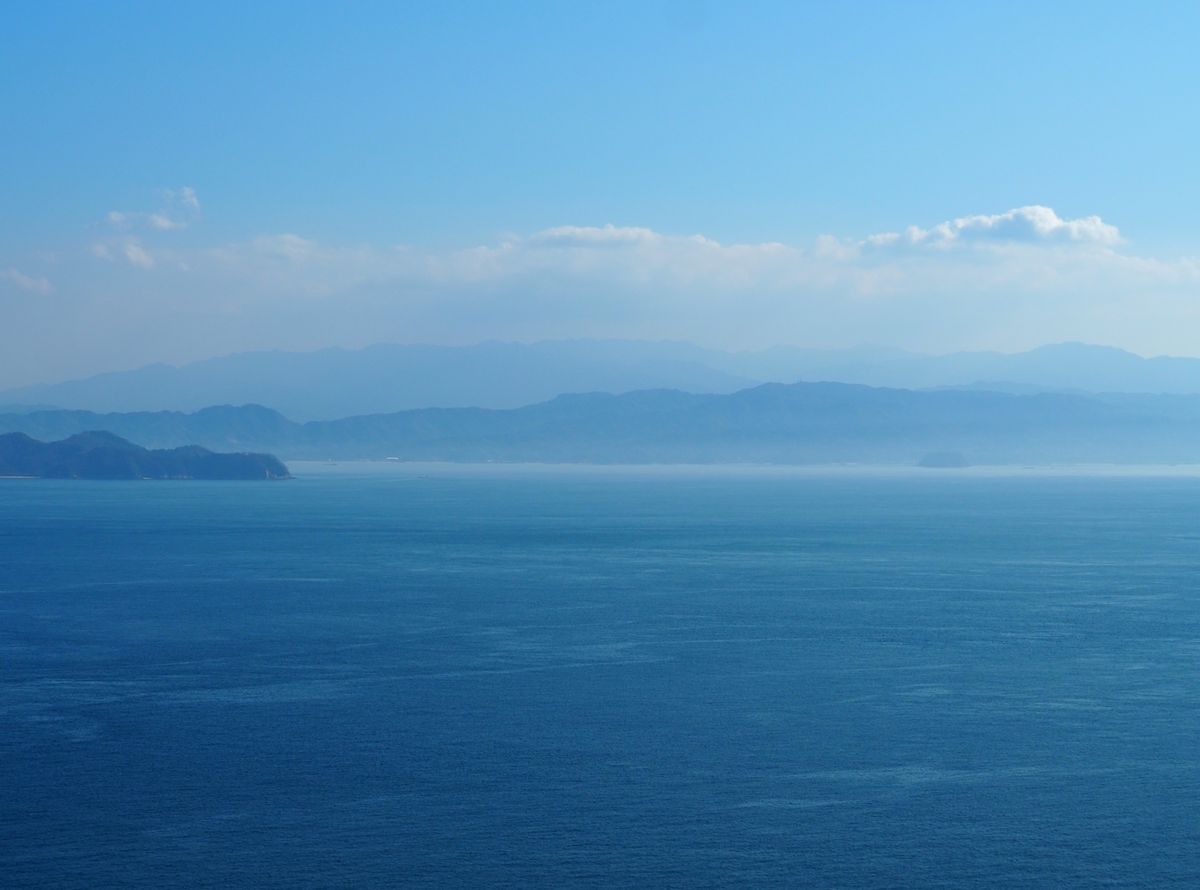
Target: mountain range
<point>334,383</point>
<point>780,423</point>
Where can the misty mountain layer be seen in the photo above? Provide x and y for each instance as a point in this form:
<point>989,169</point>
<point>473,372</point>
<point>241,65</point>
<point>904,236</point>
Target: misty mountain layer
<point>798,423</point>
<point>336,383</point>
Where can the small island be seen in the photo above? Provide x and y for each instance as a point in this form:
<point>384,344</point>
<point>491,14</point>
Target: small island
<point>944,460</point>
<point>100,455</point>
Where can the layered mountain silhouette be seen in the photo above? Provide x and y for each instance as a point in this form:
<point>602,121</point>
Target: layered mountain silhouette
<point>335,383</point>
<point>796,423</point>
<point>102,455</point>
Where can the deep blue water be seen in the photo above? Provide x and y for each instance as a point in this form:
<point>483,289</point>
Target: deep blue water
<point>543,679</point>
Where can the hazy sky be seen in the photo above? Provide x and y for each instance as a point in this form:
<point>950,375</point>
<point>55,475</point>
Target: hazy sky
<point>183,180</point>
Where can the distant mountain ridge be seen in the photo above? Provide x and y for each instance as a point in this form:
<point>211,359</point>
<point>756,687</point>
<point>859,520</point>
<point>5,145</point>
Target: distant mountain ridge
<point>102,455</point>
<point>794,423</point>
<point>386,378</point>
<point>332,383</point>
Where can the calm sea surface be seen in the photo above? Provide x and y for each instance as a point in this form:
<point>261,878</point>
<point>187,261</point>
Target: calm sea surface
<point>444,677</point>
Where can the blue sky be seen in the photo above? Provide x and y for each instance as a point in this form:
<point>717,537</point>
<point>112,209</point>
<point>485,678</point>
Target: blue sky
<point>155,153</point>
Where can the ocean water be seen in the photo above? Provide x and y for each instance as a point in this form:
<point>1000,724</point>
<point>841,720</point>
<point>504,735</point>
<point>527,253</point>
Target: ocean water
<point>382,675</point>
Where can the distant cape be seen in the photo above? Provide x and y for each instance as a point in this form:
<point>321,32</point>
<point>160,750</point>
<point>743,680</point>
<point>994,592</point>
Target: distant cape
<point>102,455</point>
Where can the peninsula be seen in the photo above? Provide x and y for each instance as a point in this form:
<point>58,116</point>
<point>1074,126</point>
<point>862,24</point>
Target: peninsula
<point>101,455</point>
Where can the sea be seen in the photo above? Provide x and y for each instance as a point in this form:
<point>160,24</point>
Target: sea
<point>399,675</point>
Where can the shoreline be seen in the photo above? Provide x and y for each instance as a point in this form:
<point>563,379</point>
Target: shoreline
<point>390,467</point>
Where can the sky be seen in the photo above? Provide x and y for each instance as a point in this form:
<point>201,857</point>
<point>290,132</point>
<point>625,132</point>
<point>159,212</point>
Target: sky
<point>186,180</point>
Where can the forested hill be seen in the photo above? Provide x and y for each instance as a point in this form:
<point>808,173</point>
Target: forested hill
<point>101,455</point>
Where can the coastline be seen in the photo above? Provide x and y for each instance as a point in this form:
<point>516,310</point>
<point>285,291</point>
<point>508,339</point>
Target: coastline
<point>394,468</point>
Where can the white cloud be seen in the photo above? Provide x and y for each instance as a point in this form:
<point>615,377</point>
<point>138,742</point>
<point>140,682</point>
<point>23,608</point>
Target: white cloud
<point>35,284</point>
<point>180,208</point>
<point>594,236</point>
<point>137,255</point>
<point>1033,224</point>
<point>164,223</point>
<point>130,249</point>
<point>287,246</point>
<point>184,197</point>
<point>1027,248</point>
<point>1007,280</point>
